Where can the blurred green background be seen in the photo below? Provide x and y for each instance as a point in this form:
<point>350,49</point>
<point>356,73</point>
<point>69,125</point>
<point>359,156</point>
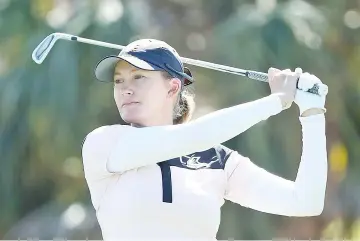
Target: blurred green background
<point>46,110</point>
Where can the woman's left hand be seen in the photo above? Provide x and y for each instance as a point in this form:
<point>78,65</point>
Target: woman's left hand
<point>309,104</point>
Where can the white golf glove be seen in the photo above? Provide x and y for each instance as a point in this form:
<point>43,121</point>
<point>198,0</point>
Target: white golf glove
<point>306,100</point>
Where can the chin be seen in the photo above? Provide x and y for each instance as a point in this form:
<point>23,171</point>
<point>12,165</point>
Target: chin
<point>131,118</point>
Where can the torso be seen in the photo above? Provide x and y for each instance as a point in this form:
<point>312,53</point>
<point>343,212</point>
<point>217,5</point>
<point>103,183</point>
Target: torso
<point>153,202</point>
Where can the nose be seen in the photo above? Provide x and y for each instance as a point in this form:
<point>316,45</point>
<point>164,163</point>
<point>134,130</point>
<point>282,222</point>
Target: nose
<point>127,92</point>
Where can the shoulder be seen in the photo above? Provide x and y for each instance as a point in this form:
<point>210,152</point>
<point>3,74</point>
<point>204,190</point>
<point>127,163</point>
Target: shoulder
<point>234,161</point>
<point>223,151</point>
<point>218,156</point>
<point>101,131</point>
<point>100,137</point>
<point>95,151</point>
<point>229,158</point>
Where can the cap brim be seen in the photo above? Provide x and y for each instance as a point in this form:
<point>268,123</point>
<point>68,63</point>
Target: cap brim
<point>104,70</point>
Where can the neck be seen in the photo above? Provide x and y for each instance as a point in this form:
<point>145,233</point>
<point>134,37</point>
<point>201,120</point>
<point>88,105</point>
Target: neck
<point>154,122</point>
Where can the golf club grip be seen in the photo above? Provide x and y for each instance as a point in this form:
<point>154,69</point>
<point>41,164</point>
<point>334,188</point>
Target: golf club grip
<point>257,76</point>
<point>318,89</point>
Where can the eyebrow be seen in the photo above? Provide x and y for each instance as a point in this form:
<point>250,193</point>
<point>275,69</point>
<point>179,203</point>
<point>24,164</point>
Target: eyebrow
<point>134,70</point>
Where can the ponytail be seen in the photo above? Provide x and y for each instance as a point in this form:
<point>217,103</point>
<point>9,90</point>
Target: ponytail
<point>185,108</point>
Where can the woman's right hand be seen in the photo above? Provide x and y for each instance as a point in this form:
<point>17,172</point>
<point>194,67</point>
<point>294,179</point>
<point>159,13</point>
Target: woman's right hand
<point>283,82</point>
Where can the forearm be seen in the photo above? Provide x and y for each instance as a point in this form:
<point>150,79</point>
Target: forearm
<point>256,188</point>
<point>144,146</point>
<point>310,184</point>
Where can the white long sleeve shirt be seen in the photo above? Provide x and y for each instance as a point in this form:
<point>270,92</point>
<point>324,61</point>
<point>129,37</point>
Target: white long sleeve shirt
<point>169,182</point>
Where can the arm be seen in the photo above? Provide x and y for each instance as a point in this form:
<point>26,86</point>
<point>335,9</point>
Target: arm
<point>253,187</point>
<point>136,147</point>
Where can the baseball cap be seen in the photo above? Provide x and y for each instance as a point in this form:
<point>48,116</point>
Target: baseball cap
<point>147,54</point>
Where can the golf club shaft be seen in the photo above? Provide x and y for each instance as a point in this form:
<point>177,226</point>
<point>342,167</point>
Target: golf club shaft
<point>42,50</point>
<point>199,63</point>
<point>96,42</point>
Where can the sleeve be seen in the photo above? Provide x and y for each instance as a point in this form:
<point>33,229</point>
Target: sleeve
<point>255,188</point>
<point>145,146</point>
<point>95,149</point>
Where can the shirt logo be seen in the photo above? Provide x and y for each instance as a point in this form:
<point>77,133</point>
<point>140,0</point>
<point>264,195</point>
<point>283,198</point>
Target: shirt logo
<point>194,162</point>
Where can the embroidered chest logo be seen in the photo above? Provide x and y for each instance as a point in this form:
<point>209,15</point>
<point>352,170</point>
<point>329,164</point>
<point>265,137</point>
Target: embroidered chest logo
<point>194,162</point>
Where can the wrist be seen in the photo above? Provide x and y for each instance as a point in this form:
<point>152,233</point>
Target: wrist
<point>277,102</point>
<point>284,100</point>
<point>312,111</point>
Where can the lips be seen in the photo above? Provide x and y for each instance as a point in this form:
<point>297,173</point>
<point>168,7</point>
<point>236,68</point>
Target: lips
<point>130,103</point>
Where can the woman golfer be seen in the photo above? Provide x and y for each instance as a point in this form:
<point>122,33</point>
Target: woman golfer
<point>165,178</point>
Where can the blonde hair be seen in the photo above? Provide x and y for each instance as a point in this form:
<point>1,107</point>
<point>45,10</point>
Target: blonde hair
<point>185,106</point>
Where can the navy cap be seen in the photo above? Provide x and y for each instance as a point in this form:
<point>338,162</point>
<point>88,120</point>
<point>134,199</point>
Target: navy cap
<point>147,54</point>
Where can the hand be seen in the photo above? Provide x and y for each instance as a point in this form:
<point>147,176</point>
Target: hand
<point>309,104</point>
<point>284,84</point>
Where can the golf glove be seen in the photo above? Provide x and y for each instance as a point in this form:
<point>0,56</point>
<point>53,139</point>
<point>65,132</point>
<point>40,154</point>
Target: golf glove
<point>306,100</point>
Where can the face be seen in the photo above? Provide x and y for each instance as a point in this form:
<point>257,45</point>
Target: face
<point>144,97</point>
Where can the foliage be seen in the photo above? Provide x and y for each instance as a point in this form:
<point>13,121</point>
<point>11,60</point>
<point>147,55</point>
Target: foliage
<point>46,110</point>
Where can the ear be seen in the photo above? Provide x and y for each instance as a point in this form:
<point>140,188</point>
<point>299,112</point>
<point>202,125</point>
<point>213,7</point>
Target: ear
<point>174,87</point>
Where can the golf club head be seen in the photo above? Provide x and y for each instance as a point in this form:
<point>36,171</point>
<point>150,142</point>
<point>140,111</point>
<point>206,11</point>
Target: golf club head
<point>42,50</point>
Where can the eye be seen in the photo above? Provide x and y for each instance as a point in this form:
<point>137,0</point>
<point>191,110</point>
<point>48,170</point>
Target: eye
<point>118,81</point>
<point>139,76</point>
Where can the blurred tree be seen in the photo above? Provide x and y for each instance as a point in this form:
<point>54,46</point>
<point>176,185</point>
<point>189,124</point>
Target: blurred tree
<point>47,110</point>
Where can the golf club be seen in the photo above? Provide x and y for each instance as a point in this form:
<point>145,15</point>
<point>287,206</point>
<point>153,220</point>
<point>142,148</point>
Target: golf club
<point>42,50</point>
